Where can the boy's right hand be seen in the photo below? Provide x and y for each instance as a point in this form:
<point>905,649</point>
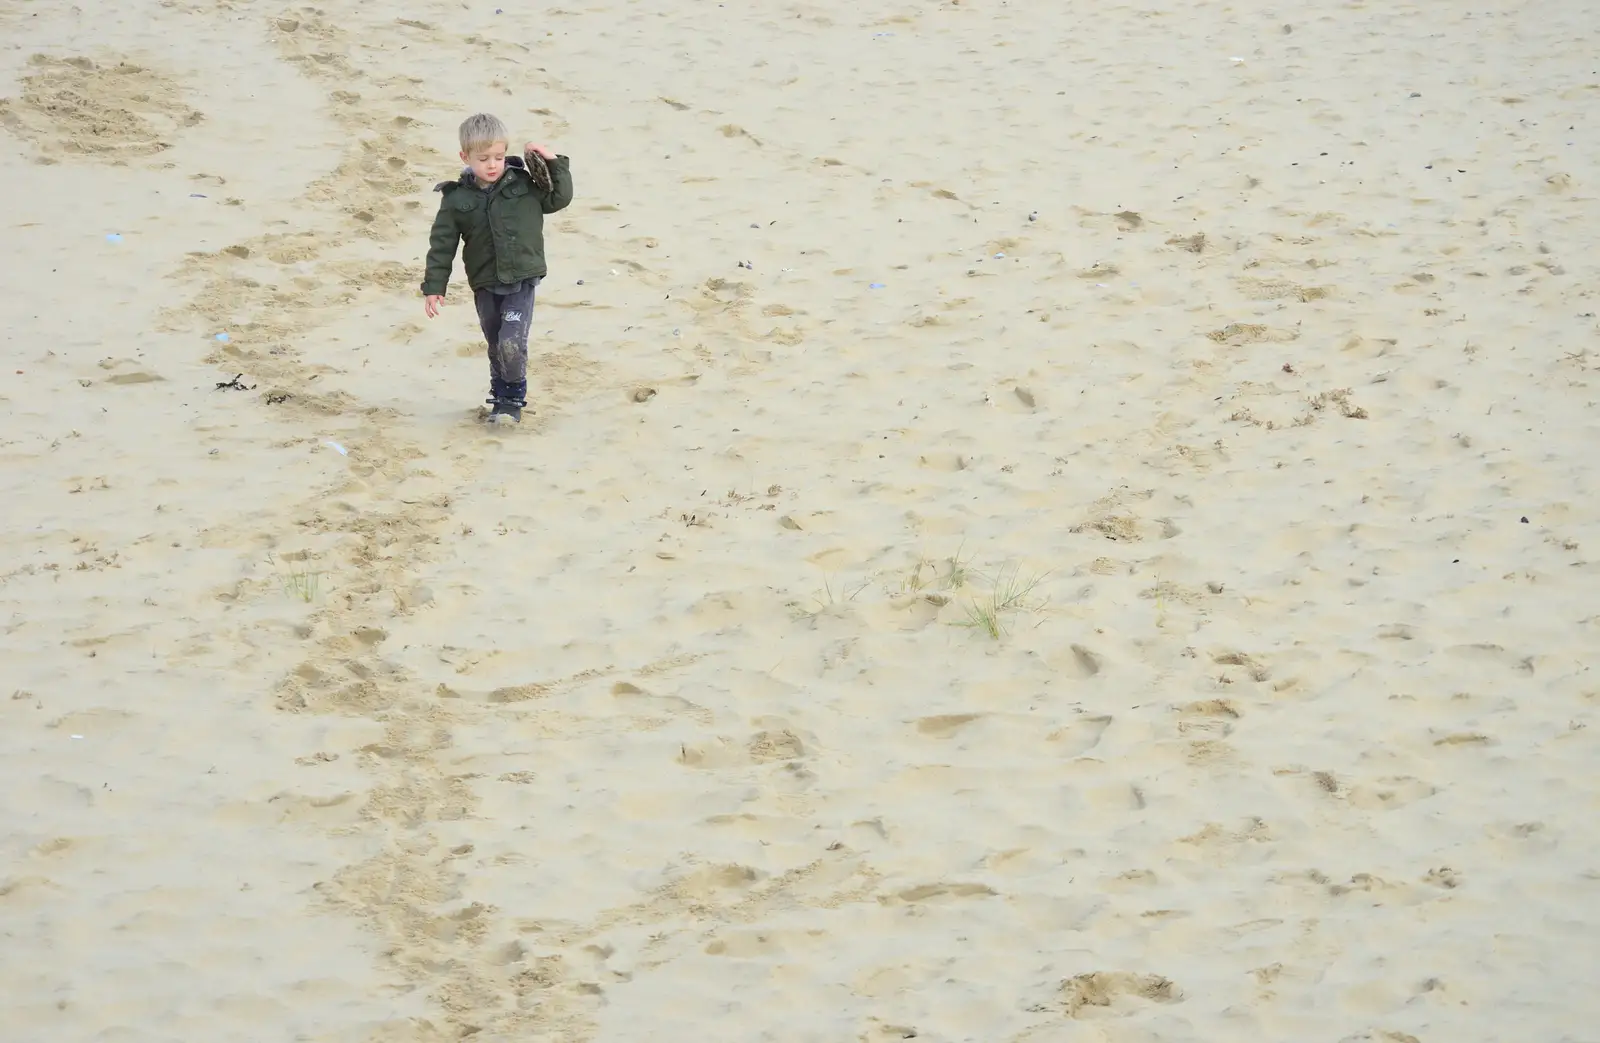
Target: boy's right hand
<point>432,303</point>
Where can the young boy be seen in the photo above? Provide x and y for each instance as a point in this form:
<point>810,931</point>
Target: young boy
<point>497,209</point>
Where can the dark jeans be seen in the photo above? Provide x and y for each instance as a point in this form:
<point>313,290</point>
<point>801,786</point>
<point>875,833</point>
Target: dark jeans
<point>505,318</point>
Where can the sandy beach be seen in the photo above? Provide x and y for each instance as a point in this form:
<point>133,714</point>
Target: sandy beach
<point>1039,522</point>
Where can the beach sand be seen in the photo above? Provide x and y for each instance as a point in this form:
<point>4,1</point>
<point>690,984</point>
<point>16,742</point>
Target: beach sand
<point>1042,523</point>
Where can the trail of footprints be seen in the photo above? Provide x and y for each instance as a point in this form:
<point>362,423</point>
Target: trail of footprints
<point>410,890</point>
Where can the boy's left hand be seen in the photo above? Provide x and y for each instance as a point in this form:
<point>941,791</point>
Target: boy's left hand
<point>543,150</point>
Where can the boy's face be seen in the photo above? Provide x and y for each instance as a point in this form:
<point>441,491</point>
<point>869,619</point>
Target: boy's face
<point>488,162</point>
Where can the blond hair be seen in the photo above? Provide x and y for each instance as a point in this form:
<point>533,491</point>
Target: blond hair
<point>481,131</point>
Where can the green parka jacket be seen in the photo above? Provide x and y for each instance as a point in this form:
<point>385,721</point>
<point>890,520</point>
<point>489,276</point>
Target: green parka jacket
<point>503,230</point>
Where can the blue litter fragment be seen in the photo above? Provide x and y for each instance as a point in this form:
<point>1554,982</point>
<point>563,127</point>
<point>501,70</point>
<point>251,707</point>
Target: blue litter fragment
<point>875,286</point>
<point>223,338</point>
<point>342,450</point>
<point>113,238</point>
<point>196,195</point>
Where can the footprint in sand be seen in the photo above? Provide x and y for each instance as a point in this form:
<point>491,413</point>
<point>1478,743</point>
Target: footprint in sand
<point>943,726</point>
<point>1386,794</point>
<point>724,882</point>
<point>93,723</point>
<point>886,1032</point>
<point>1078,737</point>
<point>1115,993</point>
<point>943,461</point>
<point>1075,661</point>
<point>1212,717</point>
<point>776,745</point>
<point>713,753</point>
<point>331,810</point>
<point>939,892</point>
<point>644,702</point>
<point>1118,797</point>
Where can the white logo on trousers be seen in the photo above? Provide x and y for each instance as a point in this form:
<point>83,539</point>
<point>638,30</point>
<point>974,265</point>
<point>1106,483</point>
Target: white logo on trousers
<point>513,316</point>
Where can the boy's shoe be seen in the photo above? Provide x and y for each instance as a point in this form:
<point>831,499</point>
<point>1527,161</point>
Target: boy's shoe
<point>505,411</point>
